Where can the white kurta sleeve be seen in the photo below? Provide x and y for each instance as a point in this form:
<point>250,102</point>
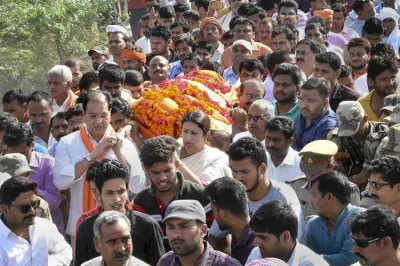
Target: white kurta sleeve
<point>64,169</point>
<point>137,180</point>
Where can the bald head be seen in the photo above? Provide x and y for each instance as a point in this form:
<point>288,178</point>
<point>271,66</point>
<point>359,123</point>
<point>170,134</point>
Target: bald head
<point>159,69</point>
<point>250,91</point>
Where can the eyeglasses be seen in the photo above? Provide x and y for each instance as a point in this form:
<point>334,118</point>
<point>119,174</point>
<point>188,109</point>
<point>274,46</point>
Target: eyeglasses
<point>255,118</point>
<point>284,14</point>
<point>377,186</point>
<point>363,243</point>
<point>94,117</point>
<point>25,208</point>
<point>252,96</point>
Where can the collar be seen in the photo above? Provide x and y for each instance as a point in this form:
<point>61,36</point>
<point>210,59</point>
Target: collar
<point>290,158</point>
<point>230,71</point>
<point>291,111</point>
<point>343,215</point>
<point>179,176</point>
<point>245,237</point>
<point>220,48</point>
<point>338,91</point>
<point>4,230</point>
<point>204,258</point>
<point>255,46</point>
<point>315,120</point>
<point>34,162</point>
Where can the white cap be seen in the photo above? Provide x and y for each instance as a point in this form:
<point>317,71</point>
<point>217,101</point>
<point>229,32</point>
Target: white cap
<point>116,28</point>
<point>244,43</point>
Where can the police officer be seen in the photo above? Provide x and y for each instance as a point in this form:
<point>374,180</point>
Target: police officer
<point>357,140</point>
<point>317,158</point>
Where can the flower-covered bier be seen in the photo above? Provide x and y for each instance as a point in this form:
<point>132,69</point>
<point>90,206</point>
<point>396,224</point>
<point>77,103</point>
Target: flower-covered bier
<point>161,109</point>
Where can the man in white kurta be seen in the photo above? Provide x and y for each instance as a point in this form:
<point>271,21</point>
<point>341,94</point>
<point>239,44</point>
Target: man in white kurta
<point>73,157</point>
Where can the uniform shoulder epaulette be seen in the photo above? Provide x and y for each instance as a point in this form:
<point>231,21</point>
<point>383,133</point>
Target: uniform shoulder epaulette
<point>302,177</point>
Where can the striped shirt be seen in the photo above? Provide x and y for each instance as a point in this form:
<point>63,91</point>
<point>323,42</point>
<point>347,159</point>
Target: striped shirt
<point>146,201</point>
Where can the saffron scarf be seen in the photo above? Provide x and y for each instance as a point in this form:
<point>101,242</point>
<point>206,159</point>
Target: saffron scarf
<point>88,201</point>
<point>71,101</point>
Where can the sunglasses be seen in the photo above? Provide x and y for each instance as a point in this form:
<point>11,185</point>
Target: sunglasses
<point>25,208</point>
<point>363,243</point>
<point>377,186</point>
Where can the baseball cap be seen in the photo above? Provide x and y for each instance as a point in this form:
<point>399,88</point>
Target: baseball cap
<point>394,117</point>
<point>267,262</point>
<point>100,50</point>
<point>190,210</point>
<point>390,102</point>
<point>315,154</point>
<point>14,164</point>
<point>349,115</point>
<point>393,143</point>
<point>244,43</point>
<point>116,28</point>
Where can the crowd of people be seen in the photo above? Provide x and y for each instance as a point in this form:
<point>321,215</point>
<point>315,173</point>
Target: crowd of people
<point>309,173</point>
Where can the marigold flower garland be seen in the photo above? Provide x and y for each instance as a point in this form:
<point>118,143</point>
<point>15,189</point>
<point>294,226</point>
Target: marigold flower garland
<point>159,119</point>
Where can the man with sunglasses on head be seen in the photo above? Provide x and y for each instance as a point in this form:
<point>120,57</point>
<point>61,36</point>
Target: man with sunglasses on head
<point>19,139</point>
<point>384,183</point>
<point>26,239</point>
<point>376,236</point>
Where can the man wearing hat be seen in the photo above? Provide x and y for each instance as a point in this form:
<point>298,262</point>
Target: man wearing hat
<point>211,31</point>
<point>317,158</point>
<point>357,140</point>
<point>390,102</point>
<point>241,50</point>
<point>99,54</point>
<point>186,229</point>
<point>15,164</point>
<point>117,39</point>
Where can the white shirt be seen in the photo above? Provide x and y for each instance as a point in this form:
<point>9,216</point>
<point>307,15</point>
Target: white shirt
<point>47,246</point>
<point>245,134</point>
<point>98,261</point>
<point>218,53</point>
<point>70,150</point>
<point>225,20</point>
<point>144,43</point>
<point>301,256</point>
<point>62,108</point>
<point>287,170</point>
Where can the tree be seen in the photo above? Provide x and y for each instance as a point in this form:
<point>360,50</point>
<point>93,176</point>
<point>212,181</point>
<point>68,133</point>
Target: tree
<point>38,34</point>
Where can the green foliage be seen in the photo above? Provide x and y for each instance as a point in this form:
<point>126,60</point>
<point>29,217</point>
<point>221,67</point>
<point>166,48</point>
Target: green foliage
<point>38,34</point>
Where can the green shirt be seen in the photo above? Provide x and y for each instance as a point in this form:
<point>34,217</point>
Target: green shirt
<point>293,113</point>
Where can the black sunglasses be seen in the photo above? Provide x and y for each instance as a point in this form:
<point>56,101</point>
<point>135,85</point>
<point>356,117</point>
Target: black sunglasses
<point>25,208</point>
<point>363,243</point>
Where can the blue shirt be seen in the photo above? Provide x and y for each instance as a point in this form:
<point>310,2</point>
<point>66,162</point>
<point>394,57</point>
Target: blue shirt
<point>175,69</point>
<point>230,76</point>
<point>40,149</point>
<point>318,129</point>
<point>336,246</point>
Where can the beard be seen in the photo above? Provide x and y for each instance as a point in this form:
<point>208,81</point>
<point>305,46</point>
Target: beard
<point>256,184</point>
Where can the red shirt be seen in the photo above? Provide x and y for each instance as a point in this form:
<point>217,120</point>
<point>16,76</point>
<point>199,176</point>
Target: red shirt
<point>136,4</point>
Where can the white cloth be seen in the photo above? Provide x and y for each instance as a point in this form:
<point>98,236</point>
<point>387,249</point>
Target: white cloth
<point>224,21</point>
<point>144,43</point>
<point>269,89</point>
<point>62,108</point>
<point>70,150</point>
<point>337,50</point>
<point>287,170</point>
<point>208,164</point>
<point>98,261</point>
<point>245,134</point>
<point>46,247</point>
<point>218,53</point>
<point>361,84</point>
<point>301,256</point>
<point>393,38</point>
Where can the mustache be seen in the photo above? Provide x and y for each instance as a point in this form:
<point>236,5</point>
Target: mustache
<point>39,123</point>
<point>29,217</point>
<point>272,149</point>
<point>118,255</point>
<point>360,256</point>
<point>177,240</point>
<point>299,60</point>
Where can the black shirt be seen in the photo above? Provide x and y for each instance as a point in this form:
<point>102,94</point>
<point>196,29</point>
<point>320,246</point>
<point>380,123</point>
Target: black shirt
<point>147,239</point>
<point>341,94</point>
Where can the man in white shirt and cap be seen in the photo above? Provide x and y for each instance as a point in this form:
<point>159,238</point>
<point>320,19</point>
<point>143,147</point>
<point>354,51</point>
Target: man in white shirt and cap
<point>117,39</point>
<point>390,19</point>
<point>241,50</point>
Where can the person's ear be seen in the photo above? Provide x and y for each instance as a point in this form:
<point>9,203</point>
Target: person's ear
<point>326,102</point>
<point>203,230</point>
<point>285,237</point>
<point>177,164</point>
<point>263,168</point>
<point>97,244</point>
<point>291,141</point>
<point>370,82</point>
<point>337,73</point>
<point>69,84</point>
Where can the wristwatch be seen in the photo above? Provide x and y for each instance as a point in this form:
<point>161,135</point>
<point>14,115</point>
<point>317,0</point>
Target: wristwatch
<point>87,157</point>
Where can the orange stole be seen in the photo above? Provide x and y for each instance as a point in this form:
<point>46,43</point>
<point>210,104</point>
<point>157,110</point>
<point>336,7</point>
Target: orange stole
<point>88,201</point>
<point>71,101</point>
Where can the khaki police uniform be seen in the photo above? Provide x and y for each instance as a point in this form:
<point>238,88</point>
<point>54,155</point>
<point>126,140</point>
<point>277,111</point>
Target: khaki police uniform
<point>317,152</point>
